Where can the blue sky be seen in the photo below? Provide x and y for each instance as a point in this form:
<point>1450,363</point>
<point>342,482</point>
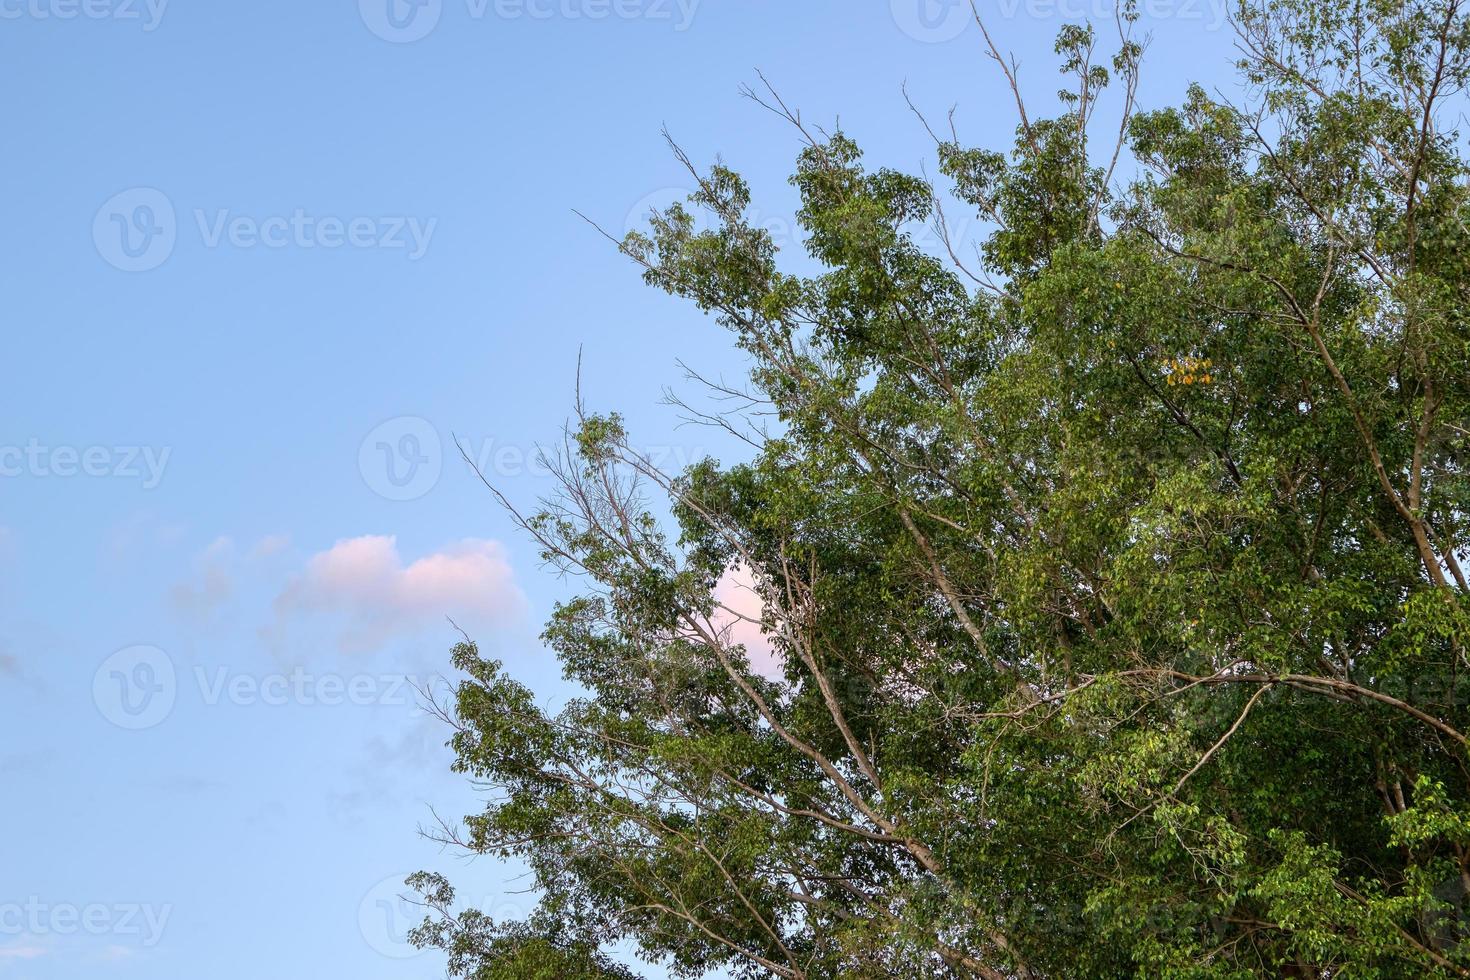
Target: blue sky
<point>262,263</point>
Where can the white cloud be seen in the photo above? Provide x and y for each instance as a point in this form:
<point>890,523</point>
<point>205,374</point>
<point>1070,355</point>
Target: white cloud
<point>364,584</point>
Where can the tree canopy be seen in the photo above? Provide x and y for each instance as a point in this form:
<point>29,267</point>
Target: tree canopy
<point>1113,572</point>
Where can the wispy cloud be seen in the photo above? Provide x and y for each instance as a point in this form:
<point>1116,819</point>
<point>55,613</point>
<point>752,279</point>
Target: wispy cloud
<point>415,753</point>
<point>140,535</point>
<point>212,584</point>
<point>271,544</point>
<point>11,666</point>
<point>17,762</point>
<point>21,950</point>
<point>112,954</point>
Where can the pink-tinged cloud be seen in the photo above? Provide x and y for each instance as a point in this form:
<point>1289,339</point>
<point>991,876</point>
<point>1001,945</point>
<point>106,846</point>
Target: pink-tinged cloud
<point>365,583</point>
<point>738,614</point>
<point>22,952</point>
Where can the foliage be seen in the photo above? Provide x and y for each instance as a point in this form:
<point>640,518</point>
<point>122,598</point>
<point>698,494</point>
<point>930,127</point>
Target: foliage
<point>1115,580</point>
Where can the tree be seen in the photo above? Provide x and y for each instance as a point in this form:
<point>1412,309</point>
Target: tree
<point>1116,574</point>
